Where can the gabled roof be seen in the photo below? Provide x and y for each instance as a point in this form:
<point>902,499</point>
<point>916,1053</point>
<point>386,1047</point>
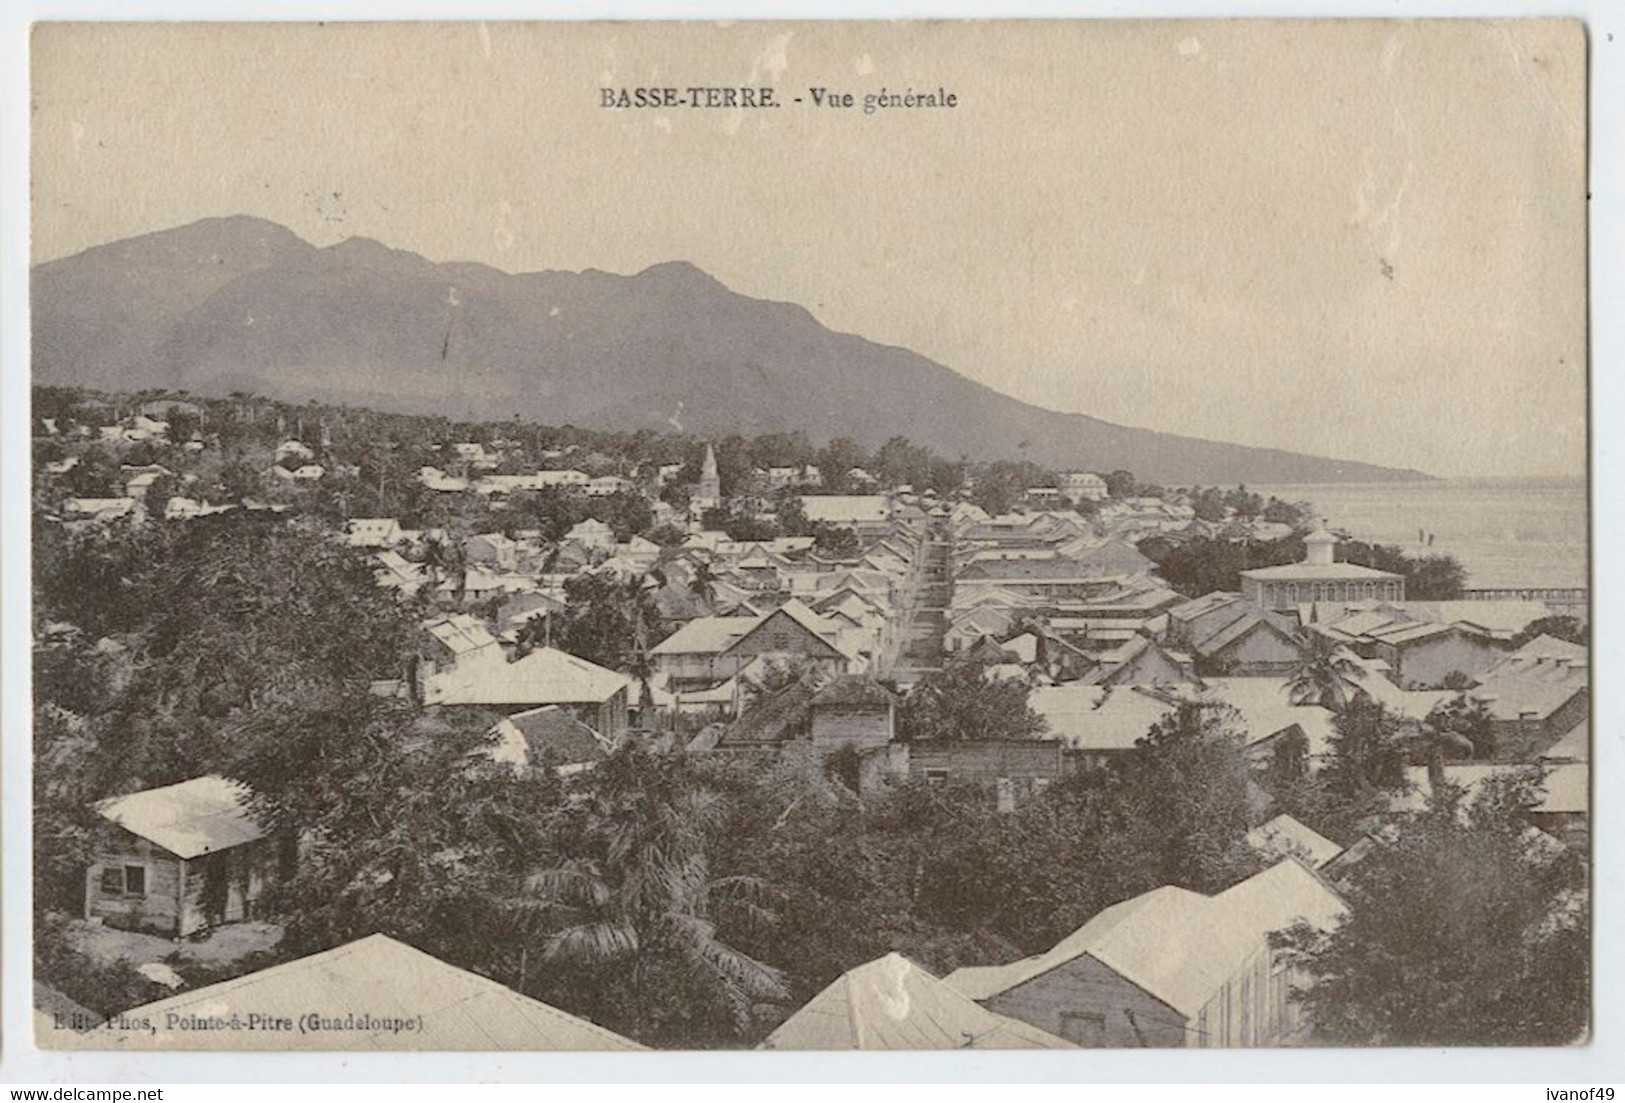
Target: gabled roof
<point>1203,605</point>
<point>893,1004</point>
<point>1509,696</point>
<point>1241,628</point>
<point>1144,939</point>
<point>1284,837</point>
<point>983,621</point>
<point>1550,647</point>
<point>546,676</point>
<point>705,636</point>
<point>460,633</point>
<point>1266,708</point>
<point>854,690</point>
<point>817,627</point>
<point>449,1009</point>
<point>192,818</point>
<point>1575,746</point>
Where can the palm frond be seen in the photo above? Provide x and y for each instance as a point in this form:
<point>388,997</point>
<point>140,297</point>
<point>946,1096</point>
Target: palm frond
<point>592,943</point>
<point>574,882</point>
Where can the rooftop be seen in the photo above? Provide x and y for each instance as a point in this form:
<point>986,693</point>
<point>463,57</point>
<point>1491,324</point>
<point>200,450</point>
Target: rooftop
<point>447,1009</point>
<point>546,676</point>
<point>1177,945</point>
<point>893,1004</point>
<point>189,819</point>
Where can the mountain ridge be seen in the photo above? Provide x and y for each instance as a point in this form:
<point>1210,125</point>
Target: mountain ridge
<point>242,303</point>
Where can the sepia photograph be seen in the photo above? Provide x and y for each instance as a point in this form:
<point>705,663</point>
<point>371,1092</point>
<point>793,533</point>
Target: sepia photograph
<point>809,536</point>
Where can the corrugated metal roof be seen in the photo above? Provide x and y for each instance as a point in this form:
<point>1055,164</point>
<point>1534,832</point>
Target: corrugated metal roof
<point>705,636</point>
<point>546,676</point>
<point>195,817</point>
<point>1266,707</point>
<point>1283,836</point>
<point>1174,944</point>
<point>1098,718</point>
<point>893,1004</point>
<point>1330,572</point>
<point>449,1009</point>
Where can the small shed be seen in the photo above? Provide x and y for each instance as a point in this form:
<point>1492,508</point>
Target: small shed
<point>179,858</point>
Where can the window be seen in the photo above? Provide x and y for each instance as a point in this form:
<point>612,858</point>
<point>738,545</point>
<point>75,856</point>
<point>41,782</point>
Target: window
<point>936,776</point>
<point>1084,1028</point>
<point>124,881</point>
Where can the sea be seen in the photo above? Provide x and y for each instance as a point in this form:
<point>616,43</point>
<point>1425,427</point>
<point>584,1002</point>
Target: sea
<point>1508,533</point>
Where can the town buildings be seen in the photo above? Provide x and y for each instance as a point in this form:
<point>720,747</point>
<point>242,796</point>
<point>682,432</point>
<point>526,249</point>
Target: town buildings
<point>1319,578</point>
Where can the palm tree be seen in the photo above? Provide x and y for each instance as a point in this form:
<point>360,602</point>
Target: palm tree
<point>436,558</point>
<point>640,664</point>
<point>704,581</point>
<point>1434,744</point>
<point>637,905</point>
<point>1327,674</point>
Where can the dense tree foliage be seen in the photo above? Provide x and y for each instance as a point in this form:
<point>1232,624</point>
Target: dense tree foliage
<point>1566,628</point>
<point>960,702</point>
<point>1369,749</point>
<point>1465,927</point>
<point>1200,566</point>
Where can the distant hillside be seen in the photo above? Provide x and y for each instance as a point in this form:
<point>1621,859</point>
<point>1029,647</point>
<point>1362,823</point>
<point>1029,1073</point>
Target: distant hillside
<point>244,304</point>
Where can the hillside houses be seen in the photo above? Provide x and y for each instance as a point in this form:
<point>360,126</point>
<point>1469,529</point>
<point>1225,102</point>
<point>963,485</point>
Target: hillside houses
<point>793,665</point>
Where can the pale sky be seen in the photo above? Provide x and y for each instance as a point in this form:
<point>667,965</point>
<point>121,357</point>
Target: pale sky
<point>1357,239</point>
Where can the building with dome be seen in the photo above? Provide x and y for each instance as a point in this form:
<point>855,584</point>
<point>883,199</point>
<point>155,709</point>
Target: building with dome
<point>1320,577</point>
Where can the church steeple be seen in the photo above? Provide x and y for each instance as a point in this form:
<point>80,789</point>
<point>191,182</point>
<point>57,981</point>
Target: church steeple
<point>710,488</point>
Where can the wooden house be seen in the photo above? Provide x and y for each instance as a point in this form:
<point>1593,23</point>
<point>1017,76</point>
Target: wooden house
<point>594,695</point>
<point>1230,635</point>
<point>1170,967</point>
<point>1013,770</point>
<point>893,1004</point>
<point>709,650</point>
<point>852,711</point>
<point>179,858</point>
